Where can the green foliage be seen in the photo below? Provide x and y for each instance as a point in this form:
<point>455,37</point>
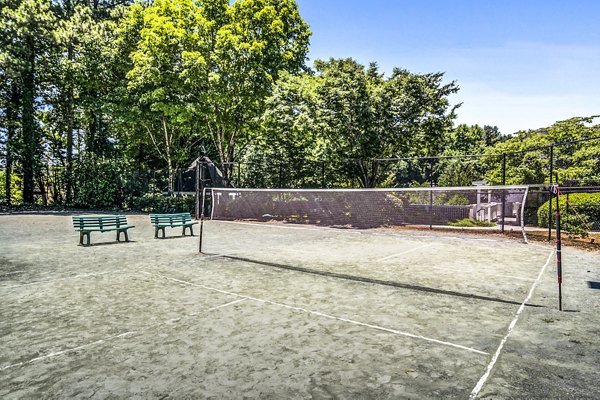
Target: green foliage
<point>352,115</point>
<point>100,183</point>
<point>160,203</point>
<point>469,223</point>
<point>15,184</point>
<point>576,225</point>
<point>528,154</point>
<point>457,200</point>
<point>577,218</point>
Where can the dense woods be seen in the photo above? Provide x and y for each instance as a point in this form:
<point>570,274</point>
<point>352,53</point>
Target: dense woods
<point>104,103</point>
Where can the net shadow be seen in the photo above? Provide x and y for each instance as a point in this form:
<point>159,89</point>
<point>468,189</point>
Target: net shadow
<point>379,281</point>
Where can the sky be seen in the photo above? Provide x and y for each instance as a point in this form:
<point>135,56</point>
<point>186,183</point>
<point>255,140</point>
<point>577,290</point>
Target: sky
<point>520,65</point>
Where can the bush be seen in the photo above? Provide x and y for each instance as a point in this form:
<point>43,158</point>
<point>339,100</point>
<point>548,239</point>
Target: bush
<point>15,185</point>
<point>159,203</point>
<point>99,183</point>
<point>583,208</point>
<point>469,223</point>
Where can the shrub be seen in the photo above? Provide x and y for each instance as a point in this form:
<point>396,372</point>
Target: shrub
<point>159,203</point>
<point>469,223</point>
<point>583,209</point>
<point>15,184</point>
<point>99,183</point>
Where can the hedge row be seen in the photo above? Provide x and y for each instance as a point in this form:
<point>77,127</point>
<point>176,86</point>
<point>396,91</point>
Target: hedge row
<point>583,212</point>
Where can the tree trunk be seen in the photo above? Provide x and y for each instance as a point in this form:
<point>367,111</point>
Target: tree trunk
<point>11,117</point>
<point>30,145</point>
<point>168,156</point>
<point>70,127</point>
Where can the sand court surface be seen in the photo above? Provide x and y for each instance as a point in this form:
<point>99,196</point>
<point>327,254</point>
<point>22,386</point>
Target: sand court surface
<point>270,311</point>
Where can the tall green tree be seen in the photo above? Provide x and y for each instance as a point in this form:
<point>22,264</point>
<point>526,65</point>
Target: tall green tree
<point>252,43</point>
<point>214,63</point>
<point>28,26</point>
<point>528,153</point>
<point>359,116</point>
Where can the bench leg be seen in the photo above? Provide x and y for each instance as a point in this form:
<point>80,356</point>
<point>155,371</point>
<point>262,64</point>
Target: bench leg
<point>123,232</point>
<point>155,233</point>
<point>119,235</point>
<point>81,236</point>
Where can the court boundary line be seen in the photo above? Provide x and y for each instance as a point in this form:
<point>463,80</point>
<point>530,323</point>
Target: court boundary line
<point>347,320</point>
<point>62,279</point>
<point>511,326</point>
<point>404,252</point>
<point>100,341</point>
<point>11,273</point>
<point>60,353</point>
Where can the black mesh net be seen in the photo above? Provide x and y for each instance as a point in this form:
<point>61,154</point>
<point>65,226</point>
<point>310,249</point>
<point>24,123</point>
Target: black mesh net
<point>482,207</point>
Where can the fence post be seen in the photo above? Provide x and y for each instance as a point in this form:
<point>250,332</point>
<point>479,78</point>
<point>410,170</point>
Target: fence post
<point>550,192</point>
<point>503,190</point>
<point>198,169</point>
<point>558,249</point>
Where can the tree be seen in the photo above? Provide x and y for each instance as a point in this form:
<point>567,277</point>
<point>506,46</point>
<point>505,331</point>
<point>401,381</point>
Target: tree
<point>528,153</point>
<point>27,25</point>
<point>252,43</point>
<point>361,116</point>
<point>171,44</point>
<point>211,62</point>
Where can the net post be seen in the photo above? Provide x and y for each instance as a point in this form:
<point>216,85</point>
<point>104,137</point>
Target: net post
<point>523,214</point>
<point>503,191</point>
<point>198,189</point>
<point>556,189</point>
<point>201,222</point>
<point>550,192</point>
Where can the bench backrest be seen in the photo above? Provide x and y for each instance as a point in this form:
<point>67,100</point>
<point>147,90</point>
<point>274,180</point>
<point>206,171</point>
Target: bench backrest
<point>99,221</point>
<point>178,218</point>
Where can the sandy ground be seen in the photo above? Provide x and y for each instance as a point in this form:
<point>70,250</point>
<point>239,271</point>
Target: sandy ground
<point>371,315</point>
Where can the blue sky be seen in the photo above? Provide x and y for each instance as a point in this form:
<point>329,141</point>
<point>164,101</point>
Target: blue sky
<point>520,64</point>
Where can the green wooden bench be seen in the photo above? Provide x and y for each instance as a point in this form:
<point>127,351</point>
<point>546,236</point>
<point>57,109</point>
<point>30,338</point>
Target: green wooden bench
<point>100,223</point>
<point>162,221</point>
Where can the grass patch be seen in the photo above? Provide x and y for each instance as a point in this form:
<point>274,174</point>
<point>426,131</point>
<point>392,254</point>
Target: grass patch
<point>469,223</point>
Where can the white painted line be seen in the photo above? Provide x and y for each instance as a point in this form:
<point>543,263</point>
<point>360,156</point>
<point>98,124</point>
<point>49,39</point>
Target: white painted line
<point>11,273</point>
<point>60,353</point>
<point>62,279</point>
<point>226,304</point>
<point>404,252</point>
<point>511,326</point>
<point>396,332</point>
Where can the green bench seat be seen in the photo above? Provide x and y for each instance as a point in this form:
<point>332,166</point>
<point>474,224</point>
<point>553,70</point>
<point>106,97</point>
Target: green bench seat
<point>100,223</point>
<point>162,221</point>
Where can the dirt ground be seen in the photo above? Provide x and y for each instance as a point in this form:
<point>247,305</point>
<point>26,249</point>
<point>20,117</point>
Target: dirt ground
<point>285,312</point>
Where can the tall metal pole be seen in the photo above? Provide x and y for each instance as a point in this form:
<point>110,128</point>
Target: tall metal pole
<point>503,191</point>
<point>558,249</point>
<point>198,188</point>
<point>430,194</point>
<point>550,192</point>
<point>201,187</point>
